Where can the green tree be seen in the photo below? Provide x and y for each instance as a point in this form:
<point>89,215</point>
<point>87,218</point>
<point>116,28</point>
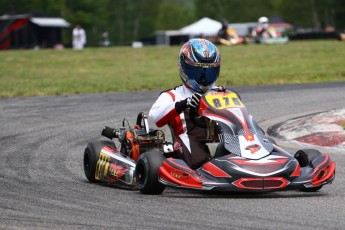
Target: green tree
<point>314,13</point>
<point>89,14</point>
<point>129,20</point>
<point>172,15</point>
<point>234,10</point>
<point>41,7</point>
<point>337,13</point>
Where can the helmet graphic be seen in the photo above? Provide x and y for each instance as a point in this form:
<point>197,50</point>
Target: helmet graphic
<point>199,64</point>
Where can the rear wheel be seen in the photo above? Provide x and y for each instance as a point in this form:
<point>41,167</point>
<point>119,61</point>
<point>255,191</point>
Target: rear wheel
<point>305,158</point>
<point>146,173</point>
<point>91,156</point>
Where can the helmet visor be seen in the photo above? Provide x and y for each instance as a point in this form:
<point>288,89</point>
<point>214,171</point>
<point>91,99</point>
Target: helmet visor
<point>203,74</point>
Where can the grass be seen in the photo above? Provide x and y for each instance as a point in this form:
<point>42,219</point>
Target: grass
<point>54,72</point>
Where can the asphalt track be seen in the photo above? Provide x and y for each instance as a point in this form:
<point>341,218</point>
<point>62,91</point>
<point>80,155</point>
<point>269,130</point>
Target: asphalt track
<point>42,183</point>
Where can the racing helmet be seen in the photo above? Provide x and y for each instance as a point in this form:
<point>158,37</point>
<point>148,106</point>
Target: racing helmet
<point>263,21</point>
<point>199,64</point>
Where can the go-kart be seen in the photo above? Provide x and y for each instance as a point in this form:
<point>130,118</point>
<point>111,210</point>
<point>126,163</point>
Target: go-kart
<point>232,38</point>
<point>242,157</point>
<point>269,37</point>
<point>270,41</point>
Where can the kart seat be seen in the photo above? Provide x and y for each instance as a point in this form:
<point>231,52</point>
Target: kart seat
<point>221,150</point>
<point>212,148</point>
<point>217,149</point>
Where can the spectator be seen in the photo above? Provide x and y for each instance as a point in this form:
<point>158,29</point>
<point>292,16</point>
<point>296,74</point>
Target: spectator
<point>79,37</point>
<point>329,28</point>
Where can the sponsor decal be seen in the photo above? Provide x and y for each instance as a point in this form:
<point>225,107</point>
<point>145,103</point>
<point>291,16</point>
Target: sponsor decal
<point>117,171</point>
<point>176,175</point>
<point>253,148</point>
<point>107,170</point>
<point>102,166</point>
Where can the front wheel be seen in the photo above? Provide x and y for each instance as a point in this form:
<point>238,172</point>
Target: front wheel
<point>146,173</point>
<point>312,189</point>
<point>305,158</point>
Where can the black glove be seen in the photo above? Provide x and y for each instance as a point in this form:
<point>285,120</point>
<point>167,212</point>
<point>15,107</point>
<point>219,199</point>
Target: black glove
<point>193,101</point>
<point>190,102</point>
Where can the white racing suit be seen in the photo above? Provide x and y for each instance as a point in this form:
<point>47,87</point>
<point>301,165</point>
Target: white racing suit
<point>186,135</point>
<point>79,38</point>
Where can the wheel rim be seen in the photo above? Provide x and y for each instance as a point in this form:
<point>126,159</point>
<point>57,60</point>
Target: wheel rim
<point>141,174</point>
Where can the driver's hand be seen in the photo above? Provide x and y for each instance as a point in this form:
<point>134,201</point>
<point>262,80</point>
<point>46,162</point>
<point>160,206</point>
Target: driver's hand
<point>193,101</point>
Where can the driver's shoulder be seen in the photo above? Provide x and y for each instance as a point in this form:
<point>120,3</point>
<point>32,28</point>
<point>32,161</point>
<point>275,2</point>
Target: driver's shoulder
<point>175,93</point>
<point>176,88</point>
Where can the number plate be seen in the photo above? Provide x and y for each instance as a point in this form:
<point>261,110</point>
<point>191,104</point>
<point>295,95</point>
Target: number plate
<point>224,100</point>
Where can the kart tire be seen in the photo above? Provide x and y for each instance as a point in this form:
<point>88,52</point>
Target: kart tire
<point>146,173</point>
<point>91,157</point>
<point>305,158</point>
<point>312,189</point>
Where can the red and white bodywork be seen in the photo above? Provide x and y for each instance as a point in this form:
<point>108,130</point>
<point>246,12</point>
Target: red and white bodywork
<point>245,159</point>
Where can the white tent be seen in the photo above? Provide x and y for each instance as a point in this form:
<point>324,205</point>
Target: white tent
<point>50,22</point>
<point>205,26</point>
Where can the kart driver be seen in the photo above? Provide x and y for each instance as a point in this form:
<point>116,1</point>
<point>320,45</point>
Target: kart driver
<point>263,30</point>
<point>199,66</point>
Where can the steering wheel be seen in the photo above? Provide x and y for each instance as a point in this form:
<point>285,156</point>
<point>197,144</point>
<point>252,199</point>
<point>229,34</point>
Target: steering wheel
<point>193,114</point>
